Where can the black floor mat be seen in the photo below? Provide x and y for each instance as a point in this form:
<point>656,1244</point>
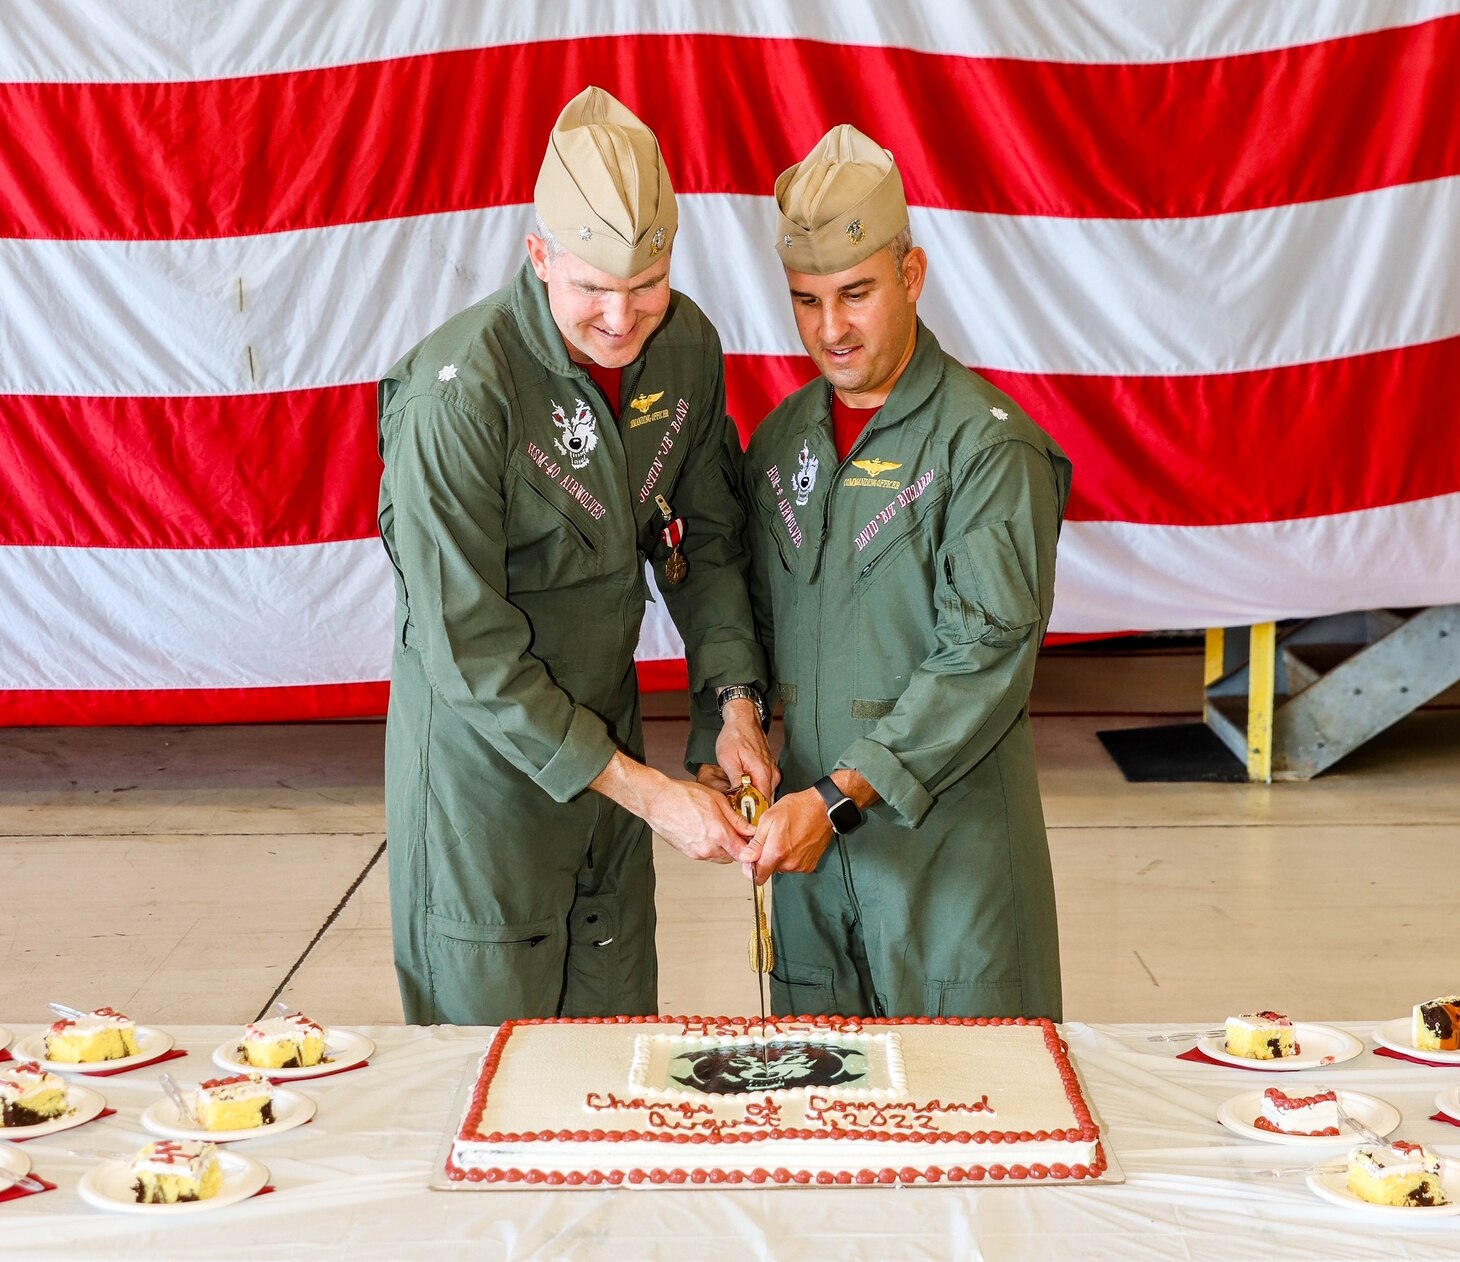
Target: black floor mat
<point>1175,753</point>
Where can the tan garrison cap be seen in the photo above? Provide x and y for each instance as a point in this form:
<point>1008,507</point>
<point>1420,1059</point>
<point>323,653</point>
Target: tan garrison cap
<point>839,205</point>
<point>604,189</point>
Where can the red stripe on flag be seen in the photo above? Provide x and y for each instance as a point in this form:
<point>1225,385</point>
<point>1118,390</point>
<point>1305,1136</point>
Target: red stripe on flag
<point>1298,441</point>
<point>465,129</point>
<point>300,467</point>
<point>210,471</point>
<point>1301,441</point>
<point>56,707</point>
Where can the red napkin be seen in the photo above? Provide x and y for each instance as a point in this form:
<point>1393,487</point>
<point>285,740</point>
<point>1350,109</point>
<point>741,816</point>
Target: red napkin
<point>323,1073</point>
<point>1444,1117</point>
<point>4,1056</point>
<point>1415,1060</point>
<point>173,1054</point>
<point>27,1138</point>
<point>15,1191</point>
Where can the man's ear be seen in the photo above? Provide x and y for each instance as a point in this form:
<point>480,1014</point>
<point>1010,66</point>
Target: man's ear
<point>537,254</point>
<point>915,272</point>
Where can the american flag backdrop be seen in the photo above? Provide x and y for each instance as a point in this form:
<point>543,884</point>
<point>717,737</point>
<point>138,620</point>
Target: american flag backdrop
<point>1213,246</point>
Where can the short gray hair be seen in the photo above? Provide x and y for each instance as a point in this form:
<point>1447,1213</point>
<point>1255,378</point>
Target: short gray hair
<point>555,248</point>
<point>900,245</point>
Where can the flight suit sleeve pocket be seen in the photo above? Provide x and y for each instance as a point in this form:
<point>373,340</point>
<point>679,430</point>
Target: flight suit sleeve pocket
<point>988,592</point>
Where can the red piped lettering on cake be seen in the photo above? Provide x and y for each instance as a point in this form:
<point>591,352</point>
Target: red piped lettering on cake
<point>168,1152</point>
<point>898,1117</point>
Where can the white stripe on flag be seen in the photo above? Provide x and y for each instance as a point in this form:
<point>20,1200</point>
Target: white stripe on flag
<point>140,618</point>
<point>132,40</point>
<point>1223,293</point>
<point>1118,575</point>
<point>237,618</point>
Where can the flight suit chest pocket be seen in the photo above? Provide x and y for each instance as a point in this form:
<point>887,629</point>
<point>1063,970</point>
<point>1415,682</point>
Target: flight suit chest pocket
<point>553,534</point>
<point>888,534</point>
<point>778,526</point>
<point>983,589</point>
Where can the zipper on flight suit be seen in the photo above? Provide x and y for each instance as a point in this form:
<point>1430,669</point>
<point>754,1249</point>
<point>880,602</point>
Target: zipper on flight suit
<point>820,619</point>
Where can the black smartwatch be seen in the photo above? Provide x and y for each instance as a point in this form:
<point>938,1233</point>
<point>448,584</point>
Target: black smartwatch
<point>845,815</point>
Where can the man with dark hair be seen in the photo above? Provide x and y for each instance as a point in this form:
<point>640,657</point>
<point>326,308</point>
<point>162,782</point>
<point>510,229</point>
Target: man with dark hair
<point>905,514</point>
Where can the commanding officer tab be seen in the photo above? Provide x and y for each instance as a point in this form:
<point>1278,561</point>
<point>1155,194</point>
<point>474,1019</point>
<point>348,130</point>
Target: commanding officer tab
<point>909,574</point>
<point>519,502</point>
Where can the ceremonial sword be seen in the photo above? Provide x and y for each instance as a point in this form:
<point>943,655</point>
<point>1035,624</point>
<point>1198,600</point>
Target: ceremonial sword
<point>750,802</point>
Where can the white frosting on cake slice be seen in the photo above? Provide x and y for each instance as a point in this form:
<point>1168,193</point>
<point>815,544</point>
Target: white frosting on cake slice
<point>1300,1115</point>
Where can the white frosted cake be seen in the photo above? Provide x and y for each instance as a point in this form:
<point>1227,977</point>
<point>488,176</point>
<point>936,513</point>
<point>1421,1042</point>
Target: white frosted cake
<point>687,1101</point>
<point>292,1042</point>
<point>29,1095</point>
<point>1284,1114</point>
<point>105,1034</point>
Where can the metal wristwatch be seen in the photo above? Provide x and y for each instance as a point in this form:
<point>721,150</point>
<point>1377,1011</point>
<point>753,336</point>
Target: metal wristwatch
<point>845,815</point>
<point>743,692</point>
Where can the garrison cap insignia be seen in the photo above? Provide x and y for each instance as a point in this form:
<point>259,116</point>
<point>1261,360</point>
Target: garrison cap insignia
<point>447,373</point>
<point>999,413</point>
<point>876,468</point>
<point>656,242</point>
<point>645,401</point>
<point>585,233</point>
<point>854,232</point>
<point>786,242</point>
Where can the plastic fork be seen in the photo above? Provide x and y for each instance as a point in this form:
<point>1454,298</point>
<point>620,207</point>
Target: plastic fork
<point>22,1181</point>
<point>1345,1118</point>
<point>185,1111</point>
<point>61,1010</point>
<point>1185,1036</point>
<point>1281,1172</point>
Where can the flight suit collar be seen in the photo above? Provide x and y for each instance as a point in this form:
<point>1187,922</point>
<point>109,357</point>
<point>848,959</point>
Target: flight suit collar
<point>912,391</point>
<point>916,385</point>
<point>535,323</point>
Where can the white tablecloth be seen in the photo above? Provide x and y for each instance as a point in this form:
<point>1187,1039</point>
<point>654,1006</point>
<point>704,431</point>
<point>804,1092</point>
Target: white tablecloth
<point>353,1182</point>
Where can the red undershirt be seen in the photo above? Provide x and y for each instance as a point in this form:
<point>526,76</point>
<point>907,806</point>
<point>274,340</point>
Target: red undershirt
<point>609,380</point>
<point>847,424</point>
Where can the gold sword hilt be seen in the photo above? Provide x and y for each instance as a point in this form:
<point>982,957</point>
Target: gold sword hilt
<point>750,803</point>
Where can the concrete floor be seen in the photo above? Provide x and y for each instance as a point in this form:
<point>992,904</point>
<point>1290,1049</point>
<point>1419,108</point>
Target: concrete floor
<point>191,875</point>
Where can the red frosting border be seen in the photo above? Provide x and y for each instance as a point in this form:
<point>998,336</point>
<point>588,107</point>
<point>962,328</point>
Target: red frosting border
<point>1087,1130</point>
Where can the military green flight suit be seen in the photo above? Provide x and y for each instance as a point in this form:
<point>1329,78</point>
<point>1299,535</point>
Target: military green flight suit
<point>909,589</point>
<point>517,515</point>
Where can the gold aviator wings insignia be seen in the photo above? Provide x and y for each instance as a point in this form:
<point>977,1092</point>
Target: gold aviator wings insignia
<point>645,401</point>
<point>876,468</point>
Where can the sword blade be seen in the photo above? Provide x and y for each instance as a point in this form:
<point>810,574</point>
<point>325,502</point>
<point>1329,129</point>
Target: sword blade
<point>760,969</point>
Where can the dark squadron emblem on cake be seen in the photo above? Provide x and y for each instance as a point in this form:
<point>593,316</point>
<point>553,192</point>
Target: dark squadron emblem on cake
<point>785,1066</point>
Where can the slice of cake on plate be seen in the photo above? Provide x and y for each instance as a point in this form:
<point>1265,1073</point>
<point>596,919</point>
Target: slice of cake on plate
<point>1437,1024</point>
<point>237,1103</point>
<point>1260,1036</point>
<point>29,1095</point>
<point>172,1170</point>
<point>1285,1114</point>
<point>292,1042</point>
<point>105,1034</point>
<point>1395,1174</point>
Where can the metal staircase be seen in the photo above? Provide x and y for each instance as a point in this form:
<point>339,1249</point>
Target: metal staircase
<point>1291,701</point>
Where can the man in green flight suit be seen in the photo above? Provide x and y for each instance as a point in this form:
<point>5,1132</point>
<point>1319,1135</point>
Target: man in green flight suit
<point>905,518</point>
<point>538,447</point>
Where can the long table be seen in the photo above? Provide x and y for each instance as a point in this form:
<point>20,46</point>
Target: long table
<point>354,1182</point>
